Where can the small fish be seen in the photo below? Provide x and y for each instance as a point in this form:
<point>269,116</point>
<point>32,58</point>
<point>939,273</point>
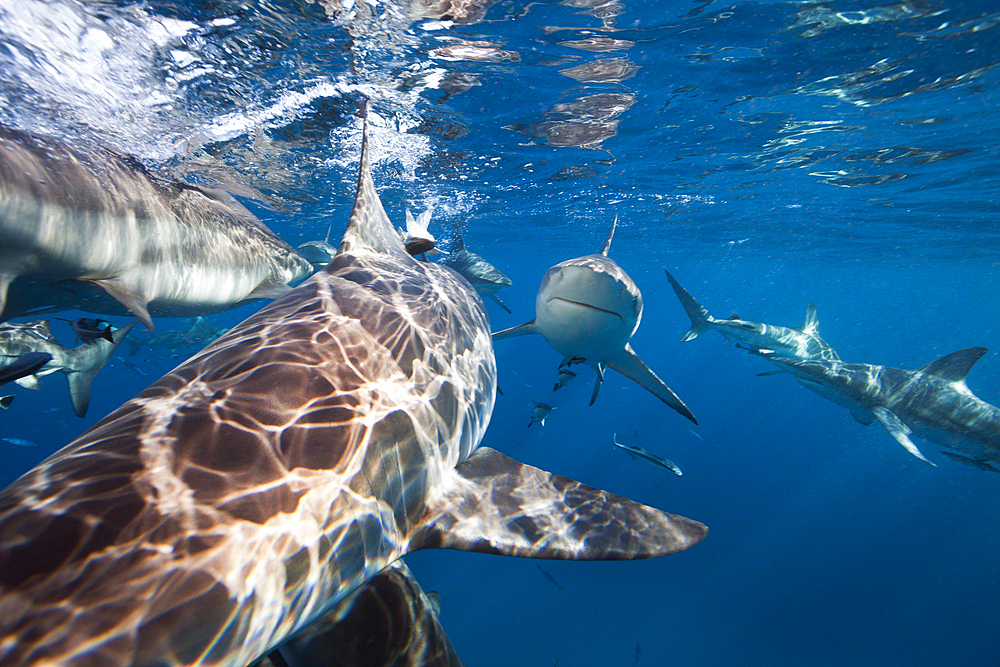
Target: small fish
<point>696,435</point>
<point>549,576</point>
<point>565,375</point>
<point>88,329</point>
<point>638,453</point>
<point>969,461</point>
<point>23,366</point>
<point>132,367</point>
<point>542,410</point>
<point>19,442</point>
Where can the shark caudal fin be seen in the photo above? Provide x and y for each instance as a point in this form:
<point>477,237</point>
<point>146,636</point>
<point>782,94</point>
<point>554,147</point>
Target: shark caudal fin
<point>369,226</point>
<point>84,361</point>
<point>701,320</point>
<point>499,506</point>
<point>389,605</point>
<point>631,366</point>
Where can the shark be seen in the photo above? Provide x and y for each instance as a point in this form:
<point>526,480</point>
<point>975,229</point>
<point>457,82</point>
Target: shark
<point>79,364</point>
<point>640,454</point>
<point>540,413</point>
<point>588,309</point>
<point>802,342</point>
<point>933,402</point>
<point>91,229</point>
<point>238,499</point>
<point>485,278</point>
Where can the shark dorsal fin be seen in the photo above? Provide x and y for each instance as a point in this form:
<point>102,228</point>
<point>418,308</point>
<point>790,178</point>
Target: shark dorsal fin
<point>606,248</point>
<point>369,225</point>
<point>457,242</point>
<point>812,320</point>
<point>955,366</point>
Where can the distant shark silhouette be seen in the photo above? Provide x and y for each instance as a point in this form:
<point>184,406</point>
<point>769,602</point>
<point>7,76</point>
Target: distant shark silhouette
<point>587,309</point>
<point>802,342</point>
<point>79,364</point>
<point>237,499</point>
<point>932,402</point>
<point>485,278</point>
<point>91,229</point>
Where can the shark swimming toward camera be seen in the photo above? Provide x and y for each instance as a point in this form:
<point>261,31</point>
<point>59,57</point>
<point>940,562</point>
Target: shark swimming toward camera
<point>239,498</point>
<point>91,229</point>
<point>79,364</point>
<point>932,402</point>
<point>485,278</point>
<point>802,342</point>
<point>587,309</point>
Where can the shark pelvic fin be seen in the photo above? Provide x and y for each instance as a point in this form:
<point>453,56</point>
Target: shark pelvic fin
<point>898,430</point>
<point>131,298</point>
<point>83,363</point>
<point>520,330</point>
<point>630,365</point>
<point>701,320</point>
<point>863,416</point>
<point>499,506</point>
<point>28,382</point>
<point>606,248</point>
<point>270,291</point>
<point>955,366</point>
<point>599,370</point>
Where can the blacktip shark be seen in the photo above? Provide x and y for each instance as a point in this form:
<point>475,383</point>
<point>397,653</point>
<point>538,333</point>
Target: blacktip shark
<point>485,278</point>
<point>79,364</point>
<point>640,454</point>
<point>244,494</point>
<point>587,309</point>
<point>932,402</point>
<point>91,229</point>
<point>802,342</point>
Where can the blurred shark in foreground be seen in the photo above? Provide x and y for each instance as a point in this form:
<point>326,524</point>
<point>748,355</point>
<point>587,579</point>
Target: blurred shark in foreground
<point>587,309</point>
<point>932,402</point>
<point>91,229</point>
<point>239,498</point>
<point>802,342</point>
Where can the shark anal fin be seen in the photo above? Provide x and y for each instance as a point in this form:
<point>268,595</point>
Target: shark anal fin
<point>630,365</point>
<point>500,506</point>
<point>135,302</point>
<point>898,430</point>
<point>389,621</point>
<point>863,416</point>
<point>520,330</point>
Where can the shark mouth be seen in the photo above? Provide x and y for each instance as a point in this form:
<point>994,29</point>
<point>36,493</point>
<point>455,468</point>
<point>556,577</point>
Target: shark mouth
<point>587,305</point>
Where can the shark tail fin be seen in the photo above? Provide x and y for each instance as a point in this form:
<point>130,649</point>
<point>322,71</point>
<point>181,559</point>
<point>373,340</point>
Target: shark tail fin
<point>630,365</point>
<point>84,361</point>
<point>606,248</point>
<point>520,330</point>
<point>701,320</point>
<point>500,506</point>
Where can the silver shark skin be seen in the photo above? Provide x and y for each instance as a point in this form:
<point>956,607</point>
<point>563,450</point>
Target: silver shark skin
<point>587,309</point>
<point>932,402</point>
<point>240,497</point>
<point>79,364</point>
<point>802,342</point>
<point>93,230</point>
<point>485,278</point>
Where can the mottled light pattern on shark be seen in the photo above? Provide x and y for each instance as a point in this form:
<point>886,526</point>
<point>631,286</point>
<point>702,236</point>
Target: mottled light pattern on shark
<point>932,402</point>
<point>587,309</point>
<point>90,229</point>
<point>802,342</point>
<point>240,497</point>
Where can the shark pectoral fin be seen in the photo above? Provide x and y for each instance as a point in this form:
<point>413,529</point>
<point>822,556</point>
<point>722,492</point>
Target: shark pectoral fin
<point>898,430</point>
<point>28,382</point>
<point>500,303</point>
<point>389,605</point>
<point>863,416</point>
<point>599,369</point>
<point>630,365</point>
<point>701,320</point>
<point>84,361</point>
<point>131,298</point>
<point>520,330</point>
<point>269,291</point>
<point>766,373</point>
<point>499,506</point>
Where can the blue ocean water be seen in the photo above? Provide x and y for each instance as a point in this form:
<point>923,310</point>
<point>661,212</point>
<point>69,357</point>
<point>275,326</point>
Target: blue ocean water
<point>767,154</point>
